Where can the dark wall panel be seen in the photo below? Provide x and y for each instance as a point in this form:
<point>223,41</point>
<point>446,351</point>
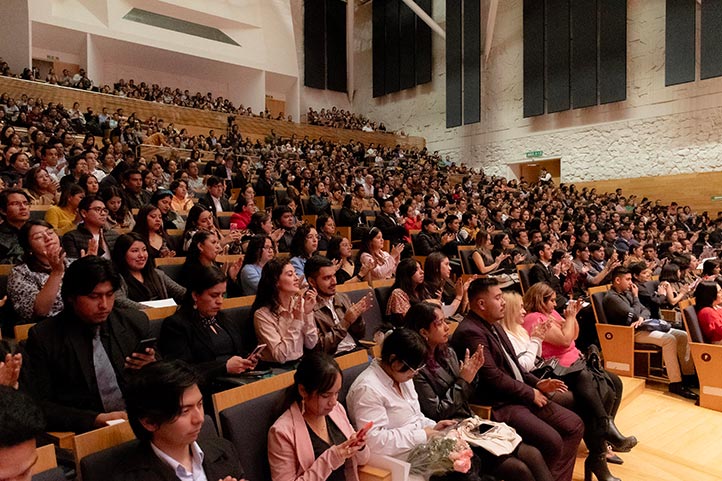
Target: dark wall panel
<point>533,57</point>
<point>423,45</point>
<point>407,46</point>
<point>557,55</point>
<point>584,53</point>
<point>472,61</point>
<point>711,39</point>
<point>336,45</point>
<point>679,41</point>
<point>453,63</point>
<point>314,40</point>
<point>378,39</point>
<point>391,46</point>
<point>612,51</point>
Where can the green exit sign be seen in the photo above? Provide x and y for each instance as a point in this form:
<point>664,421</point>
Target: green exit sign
<point>534,153</point>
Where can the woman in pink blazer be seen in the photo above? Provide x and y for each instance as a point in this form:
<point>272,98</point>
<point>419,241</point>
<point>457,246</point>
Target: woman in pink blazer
<point>313,439</point>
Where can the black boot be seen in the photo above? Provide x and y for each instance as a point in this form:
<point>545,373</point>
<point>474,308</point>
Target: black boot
<point>680,390</point>
<point>597,464</point>
<point>690,380</point>
<point>619,442</point>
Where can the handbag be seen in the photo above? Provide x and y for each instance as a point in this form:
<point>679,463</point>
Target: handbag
<point>651,325</point>
<point>496,438</point>
<point>544,368</point>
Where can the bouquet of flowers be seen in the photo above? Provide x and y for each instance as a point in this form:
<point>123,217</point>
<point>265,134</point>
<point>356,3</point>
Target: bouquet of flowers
<point>441,454</point>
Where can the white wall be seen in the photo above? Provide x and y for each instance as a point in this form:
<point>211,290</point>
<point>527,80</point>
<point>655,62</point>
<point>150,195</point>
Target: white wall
<point>15,34</point>
<point>658,130</point>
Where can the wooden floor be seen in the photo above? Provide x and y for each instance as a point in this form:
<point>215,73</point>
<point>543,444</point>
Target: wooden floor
<point>678,441</point>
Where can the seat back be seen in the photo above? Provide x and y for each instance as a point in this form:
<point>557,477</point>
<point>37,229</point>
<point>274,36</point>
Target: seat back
<point>172,270</point>
<point>241,314</point>
<point>349,375</point>
<point>374,316</point>
<point>596,296</point>
<point>691,323</point>
<point>465,253</point>
<point>100,439</point>
<point>382,298</point>
<point>523,271</point>
<point>246,425</point>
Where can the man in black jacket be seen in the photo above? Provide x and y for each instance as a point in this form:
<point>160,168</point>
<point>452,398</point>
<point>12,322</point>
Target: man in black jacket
<point>215,200</point>
<point>165,410</point>
<point>78,361</point>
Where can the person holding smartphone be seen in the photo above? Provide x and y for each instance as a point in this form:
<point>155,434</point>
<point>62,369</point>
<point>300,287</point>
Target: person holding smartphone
<point>201,334</point>
<point>313,438</point>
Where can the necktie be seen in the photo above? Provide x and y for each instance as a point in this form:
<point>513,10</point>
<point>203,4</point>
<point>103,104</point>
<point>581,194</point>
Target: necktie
<point>514,368</point>
<point>108,387</point>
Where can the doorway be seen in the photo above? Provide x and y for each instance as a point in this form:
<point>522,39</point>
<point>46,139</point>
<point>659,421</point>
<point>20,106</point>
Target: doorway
<point>529,170</point>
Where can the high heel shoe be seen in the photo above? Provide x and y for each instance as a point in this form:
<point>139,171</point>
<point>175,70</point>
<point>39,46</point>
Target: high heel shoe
<point>597,464</point>
<point>619,442</point>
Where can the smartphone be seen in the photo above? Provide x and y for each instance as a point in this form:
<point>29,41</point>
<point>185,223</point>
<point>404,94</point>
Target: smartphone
<point>362,432</point>
<point>259,348</point>
<point>482,428</point>
<point>145,344</point>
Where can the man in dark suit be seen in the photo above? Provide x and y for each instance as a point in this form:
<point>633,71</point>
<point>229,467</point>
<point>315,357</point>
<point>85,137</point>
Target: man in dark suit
<point>165,410</point>
<point>517,397</point>
<point>214,199</point>
<point>388,224</point>
<point>79,361</point>
<point>543,271</point>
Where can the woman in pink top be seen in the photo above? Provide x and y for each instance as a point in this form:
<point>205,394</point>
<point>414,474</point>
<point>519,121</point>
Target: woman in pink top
<point>708,299</point>
<point>596,412</point>
<point>313,439</point>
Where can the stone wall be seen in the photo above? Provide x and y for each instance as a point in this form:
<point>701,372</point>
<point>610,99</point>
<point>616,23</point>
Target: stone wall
<point>658,130</point>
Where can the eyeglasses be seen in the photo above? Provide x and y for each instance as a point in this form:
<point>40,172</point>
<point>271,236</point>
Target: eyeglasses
<point>99,210</point>
<point>414,371</point>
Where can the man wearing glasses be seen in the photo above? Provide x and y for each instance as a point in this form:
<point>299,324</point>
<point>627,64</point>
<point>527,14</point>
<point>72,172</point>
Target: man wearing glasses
<point>91,236</point>
<point>15,212</point>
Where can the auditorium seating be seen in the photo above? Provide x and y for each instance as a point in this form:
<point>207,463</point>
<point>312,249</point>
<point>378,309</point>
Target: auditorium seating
<point>197,121</point>
<point>707,359</point>
<point>46,467</point>
<point>622,355</point>
<point>465,253</point>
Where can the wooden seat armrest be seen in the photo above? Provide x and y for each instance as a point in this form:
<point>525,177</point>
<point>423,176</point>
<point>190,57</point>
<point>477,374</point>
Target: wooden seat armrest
<point>64,439</point>
<point>372,473</point>
<point>483,412</point>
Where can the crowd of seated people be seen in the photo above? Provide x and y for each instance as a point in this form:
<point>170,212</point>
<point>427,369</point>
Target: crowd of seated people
<point>341,119</point>
<point>82,273</point>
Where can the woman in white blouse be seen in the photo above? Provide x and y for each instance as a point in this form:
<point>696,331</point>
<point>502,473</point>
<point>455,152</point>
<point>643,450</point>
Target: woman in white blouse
<point>384,393</point>
<point>379,263</point>
<point>283,313</point>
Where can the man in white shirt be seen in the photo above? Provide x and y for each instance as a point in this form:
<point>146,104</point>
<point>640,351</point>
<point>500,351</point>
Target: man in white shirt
<point>165,410</point>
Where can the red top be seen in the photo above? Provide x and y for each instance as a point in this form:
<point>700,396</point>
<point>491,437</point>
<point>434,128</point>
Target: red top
<point>710,321</point>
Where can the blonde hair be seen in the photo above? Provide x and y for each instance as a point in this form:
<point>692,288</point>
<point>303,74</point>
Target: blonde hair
<point>510,323</point>
<point>536,296</point>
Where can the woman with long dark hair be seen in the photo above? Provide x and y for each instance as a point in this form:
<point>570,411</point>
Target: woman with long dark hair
<point>408,289</point>
<point>380,263</point>
<point>303,245</point>
<point>438,284</point>
<point>40,187</point>
<point>340,250</point>
<point>140,280</point>
<point>444,386</point>
<point>283,313</point>
<point>201,334</point>
<point>118,213</point>
<point>34,286</point>
<point>313,438</point>
<point>149,224</point>
<point>260,250</point>
<point>64,216</point>
<point>708,302</point>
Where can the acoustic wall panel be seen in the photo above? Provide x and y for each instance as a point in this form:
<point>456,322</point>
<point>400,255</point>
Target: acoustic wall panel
<point>423,45</point>
<point>533,57</point>
<point>472,61</point>
<point>377,47</point>
<point>453,63</point>
<point>557,44</point>
<point>391,45</point>
<point>613,51</point>
<point>679,42</point>
<point>407,46</point>
<point>711,39</point>
<point>336,45</point>
<point>314,44</point>
<point>584,53</point>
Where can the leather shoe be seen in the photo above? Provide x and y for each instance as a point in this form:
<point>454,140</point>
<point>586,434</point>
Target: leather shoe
<point>612,458</point>
<point>680,390</point>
